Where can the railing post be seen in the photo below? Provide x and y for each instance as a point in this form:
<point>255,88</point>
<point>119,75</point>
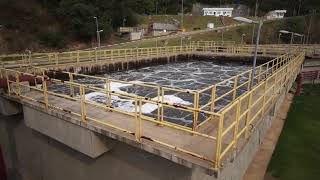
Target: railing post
<point>18,84</point>
<point>219,141</point>
<point>274,88</point>
<point>157,52</point>
<point>236,127</point>
<point>125,55</point>
<point>137,54</point>
<point>272,67</point>
<point>235,86</point>
<point>43,72</point>
<point>196,111</point>
<point>259,74</point>
<point>78,57</point>
<point>267,72</point>
<point>213,98</point>
<point>45,94</point>
<point>248,116</point>
<point>249,81</point>
<point>8,83</point>
<point>264,96</point>
<point>71,84</point>
<point>2,63</point>
<point>111,54</point>
<point>158,103</point>
<point>138,119</point>
<point>29,58</point>
<point>108,87</point>
<point>96,55</point>
<point>162,106</point>
<point>57,58</point>
<point>82,103</point>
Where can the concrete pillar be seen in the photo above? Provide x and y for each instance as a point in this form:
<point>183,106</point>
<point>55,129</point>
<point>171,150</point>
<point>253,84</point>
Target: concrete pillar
<point>9,108</point>
<point>8,125</point>
<point>72,135</point>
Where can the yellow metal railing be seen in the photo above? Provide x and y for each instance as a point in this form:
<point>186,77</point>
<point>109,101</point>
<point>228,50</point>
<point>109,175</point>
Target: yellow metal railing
<point>262,72</point>
<point>76,58</point>
<point>310,49</point>
<point>244,113</point>
<point>234,120</point>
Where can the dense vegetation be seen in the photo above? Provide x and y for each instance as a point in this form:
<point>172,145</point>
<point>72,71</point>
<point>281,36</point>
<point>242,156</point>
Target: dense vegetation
<point>55,23</point>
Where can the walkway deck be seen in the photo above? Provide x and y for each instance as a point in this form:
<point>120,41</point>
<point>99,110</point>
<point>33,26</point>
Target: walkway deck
<point>150,133</point>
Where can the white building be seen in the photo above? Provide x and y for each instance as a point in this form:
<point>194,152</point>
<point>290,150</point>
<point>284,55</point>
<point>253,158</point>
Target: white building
<point>217,12</point>
<point>160,29</point>
<point>210,25</point>
<point>276,14</point>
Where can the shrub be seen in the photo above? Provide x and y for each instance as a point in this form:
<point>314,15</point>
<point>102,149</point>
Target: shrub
<point>52,39</point>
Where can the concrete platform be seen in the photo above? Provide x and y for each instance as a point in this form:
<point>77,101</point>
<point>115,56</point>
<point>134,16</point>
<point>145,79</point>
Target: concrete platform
<point>150,134</point>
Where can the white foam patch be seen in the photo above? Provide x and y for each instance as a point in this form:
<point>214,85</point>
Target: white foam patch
<point>115,86</point>
<point>128,105</point>
<point>148,108</point>
<point>92,95</point>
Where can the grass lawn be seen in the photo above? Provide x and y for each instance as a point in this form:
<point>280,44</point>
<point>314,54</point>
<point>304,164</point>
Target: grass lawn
<point>297,155</point>
<point>269,32</point>
<point>190,22</point>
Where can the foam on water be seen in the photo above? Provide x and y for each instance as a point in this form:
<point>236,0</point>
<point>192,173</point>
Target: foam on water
<point>128,105</point>
<point>194,75</point>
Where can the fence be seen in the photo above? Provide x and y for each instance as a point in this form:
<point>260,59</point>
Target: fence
<point>310,49</point>
<point>132,54</point>
<point>310,76</point>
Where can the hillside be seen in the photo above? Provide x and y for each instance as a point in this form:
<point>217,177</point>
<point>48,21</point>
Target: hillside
<point>190,23</point>
<point>58,25</point>
<point>25,25</point>
<point>269,33</point>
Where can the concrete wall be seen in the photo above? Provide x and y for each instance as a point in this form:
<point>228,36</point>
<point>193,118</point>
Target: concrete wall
<point>135,35</point>
<point>9,108</point>
<point>72,135</point>
<point>30,155</point>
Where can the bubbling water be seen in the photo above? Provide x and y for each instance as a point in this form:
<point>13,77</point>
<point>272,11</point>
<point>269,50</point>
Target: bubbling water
<point>192,75</point>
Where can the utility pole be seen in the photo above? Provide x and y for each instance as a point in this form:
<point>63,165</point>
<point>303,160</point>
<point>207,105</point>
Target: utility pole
<point>242,38</point>
<point>98,31</point>
<point>181,43</point>
<point>182,15</point>
<point>279,38</point>
<point>292,36</point>
<point>255,54</point>
<point>253,33</point>
<point>256,8</point>
<point>309,28</point>
<point>299,7</point>
<point>124,22</point>
<point>254,25</point>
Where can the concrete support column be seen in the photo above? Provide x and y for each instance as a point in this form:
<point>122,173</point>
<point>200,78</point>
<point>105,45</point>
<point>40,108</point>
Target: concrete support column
<point>68,133</point>
<point>9,108</point>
